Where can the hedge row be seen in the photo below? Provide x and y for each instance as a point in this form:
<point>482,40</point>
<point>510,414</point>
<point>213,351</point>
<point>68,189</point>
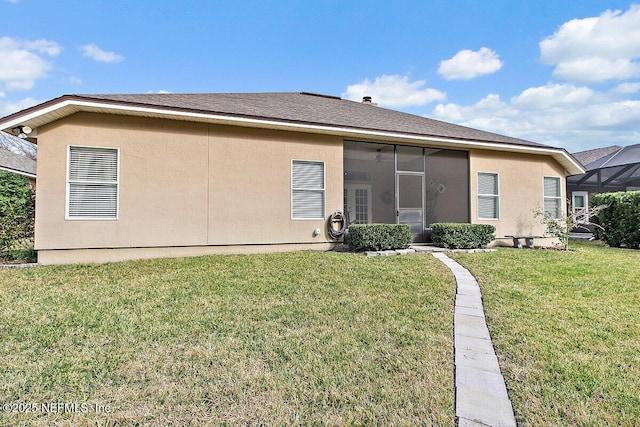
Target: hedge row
<point>379,237</point>
<point>621,220</point>
<point>17,212</point>
<point>462,236</point>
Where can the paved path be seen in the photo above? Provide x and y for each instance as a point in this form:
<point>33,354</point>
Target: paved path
<point>481,395</point>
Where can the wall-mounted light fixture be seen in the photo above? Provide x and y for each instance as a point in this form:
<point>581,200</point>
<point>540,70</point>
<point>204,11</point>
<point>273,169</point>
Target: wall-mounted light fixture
<point>22,131</point>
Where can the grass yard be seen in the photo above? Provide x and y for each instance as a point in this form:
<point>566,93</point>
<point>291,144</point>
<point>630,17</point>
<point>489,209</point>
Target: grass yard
<point>566,327</point>
<point>280,339</point>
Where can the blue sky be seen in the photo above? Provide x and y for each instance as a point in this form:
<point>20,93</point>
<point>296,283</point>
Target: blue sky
<point>564,73</point>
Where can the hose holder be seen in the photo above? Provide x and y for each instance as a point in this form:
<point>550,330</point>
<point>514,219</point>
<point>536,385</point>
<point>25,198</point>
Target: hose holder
<point>336,219</point>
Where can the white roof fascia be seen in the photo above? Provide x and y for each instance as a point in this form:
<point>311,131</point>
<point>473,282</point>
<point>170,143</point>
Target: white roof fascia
<point>18,172</point>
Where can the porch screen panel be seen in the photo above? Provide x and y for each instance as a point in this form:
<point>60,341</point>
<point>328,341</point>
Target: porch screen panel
<point>488,196</point>
<point>92,184</point>
<point>370,166</point>
<point>410,159</point>
<point>307,190</point>
<point>446,186</point>
<point>552,197</point>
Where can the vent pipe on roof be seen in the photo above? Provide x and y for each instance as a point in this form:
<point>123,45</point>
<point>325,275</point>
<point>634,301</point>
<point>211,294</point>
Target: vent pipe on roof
<point>367,100</point>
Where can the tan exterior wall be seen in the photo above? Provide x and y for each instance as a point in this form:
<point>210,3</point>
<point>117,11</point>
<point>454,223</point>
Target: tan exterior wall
<point>190,188</point>
<point>86,256</point>
<point>183,184</point>
<point>521,191</point>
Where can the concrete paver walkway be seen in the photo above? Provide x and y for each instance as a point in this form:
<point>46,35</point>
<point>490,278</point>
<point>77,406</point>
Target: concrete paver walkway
<point>481,394</point>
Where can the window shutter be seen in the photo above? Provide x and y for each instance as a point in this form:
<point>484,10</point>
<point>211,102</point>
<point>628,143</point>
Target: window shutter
<point>92,183</point>
<point>307,190</point>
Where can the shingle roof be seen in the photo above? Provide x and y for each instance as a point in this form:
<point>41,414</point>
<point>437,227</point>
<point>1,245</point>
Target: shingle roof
<point>303,111</point>
<point>589,156</point>
<point>17,163</point>
<point>308,108</point>
<point>18,146</point>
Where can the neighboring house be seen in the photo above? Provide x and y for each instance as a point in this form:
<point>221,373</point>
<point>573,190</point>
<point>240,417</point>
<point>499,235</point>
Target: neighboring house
<point>151,175</point>
<point>16,145</point>
<point>608,169</point>
<point>18,156</point>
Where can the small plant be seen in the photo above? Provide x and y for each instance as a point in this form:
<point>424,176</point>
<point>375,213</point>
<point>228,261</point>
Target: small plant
<point>561,228</point>
<point>461,235</point>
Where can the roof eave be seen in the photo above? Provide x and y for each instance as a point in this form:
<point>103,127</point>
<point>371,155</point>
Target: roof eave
<point>67,105</point>
<point>18,172</point>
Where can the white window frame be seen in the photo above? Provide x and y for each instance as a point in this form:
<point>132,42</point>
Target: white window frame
<point>69,182</point>
<point>323,189</point>
<point>494,196</point>
<point>585,210</point>
<point>558,198</point>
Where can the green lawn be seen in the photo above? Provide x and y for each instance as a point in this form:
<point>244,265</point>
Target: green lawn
<point>298,338</point>
<point>566,327</point>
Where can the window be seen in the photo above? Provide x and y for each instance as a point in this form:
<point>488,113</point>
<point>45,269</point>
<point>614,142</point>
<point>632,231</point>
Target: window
<point>488,196</point>
<point>552,197</point>
<point>307,190</point>
<point>92,183</point>
<point>580,206</point>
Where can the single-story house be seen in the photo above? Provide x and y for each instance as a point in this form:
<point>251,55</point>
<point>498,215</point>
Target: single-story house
<point>154,175</point>
<point>18,156</point>
<point>15,163</point>
<point>607,169</point>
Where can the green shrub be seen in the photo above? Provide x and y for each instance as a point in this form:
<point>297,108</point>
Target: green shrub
<point>462,236</point>
<point>17,211</point>
<point>621,220</point>
<point>379,237</point>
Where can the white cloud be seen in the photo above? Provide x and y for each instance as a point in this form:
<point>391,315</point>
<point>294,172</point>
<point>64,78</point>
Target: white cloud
<point>394,91</point>
<point>627,88</point>
<point>23,63</point>
<point>467,64</point>
<point>553,96</point>
<point>563,115</point>
<point>94,52</point>
<point>44,46</point>
<point>75,80</point>
<point>592,70</point>
<point>7,108</point>
<point>596,49</point>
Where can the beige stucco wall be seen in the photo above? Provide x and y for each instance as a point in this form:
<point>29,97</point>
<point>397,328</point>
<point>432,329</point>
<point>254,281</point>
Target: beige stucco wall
<point>521,190</point>
<point>194,188</point>
<point>182,184</point>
